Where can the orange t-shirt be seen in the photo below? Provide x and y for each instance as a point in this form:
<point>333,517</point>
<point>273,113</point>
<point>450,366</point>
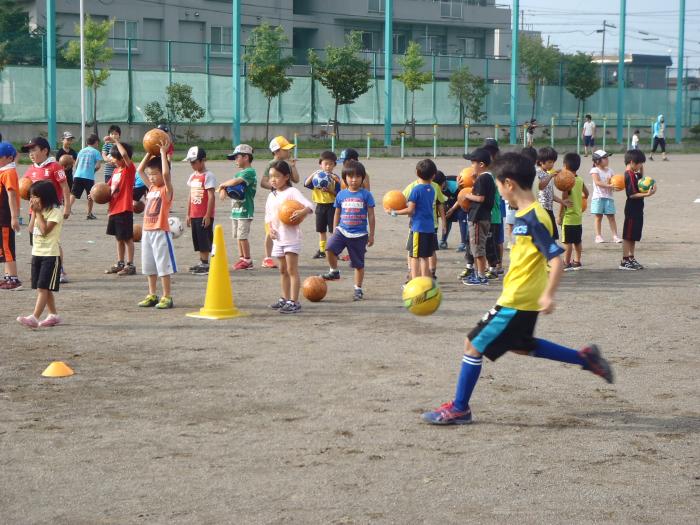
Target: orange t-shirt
<point>8,181</point>
<point>155,217</point>
<point>122,185</point>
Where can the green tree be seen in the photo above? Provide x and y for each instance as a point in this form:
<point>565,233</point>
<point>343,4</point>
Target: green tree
<point>470,92</point>
<point>180,106</point>
<point>413,77</point>
<point>97,55</point>
<point>19,43</point>
<point>540,63</point>
<point>266,66</point>
<point>343,73</point>
<point>581,78</point>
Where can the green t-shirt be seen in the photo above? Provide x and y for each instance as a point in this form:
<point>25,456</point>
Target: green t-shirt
<point>573,216</point>
<point>496,210</point>
<point>244,209</point>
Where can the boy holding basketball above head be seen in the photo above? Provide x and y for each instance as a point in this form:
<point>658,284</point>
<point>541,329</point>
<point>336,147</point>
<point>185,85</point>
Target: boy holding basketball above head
<point>242,205</point>
<point>114,134</point>
<point>9,216</point>
<point>422,239</point>
<point>281,149</point>
<point>324,185</point>
<point>528,289</point>
<point>66,156</point>
<point>157,253</point>
<point>200,207</point>
<point>88,163</point>
<point>353,226</point>
<point>121,208</point>
<point>602,202</point>
<point>634,208</point>
<point>571,217</point>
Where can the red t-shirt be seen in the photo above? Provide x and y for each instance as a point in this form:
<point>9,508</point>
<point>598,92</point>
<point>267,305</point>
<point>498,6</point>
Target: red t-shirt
<point>122,185</point>
<point>199,183</point>
<point>48,170</point>
<point>155,217</point>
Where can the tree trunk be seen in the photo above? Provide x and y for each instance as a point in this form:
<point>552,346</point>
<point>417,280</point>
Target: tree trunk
<point>336,127</point>
<point>94,109</point>
<point>413,116</point>
<point>267,119</point>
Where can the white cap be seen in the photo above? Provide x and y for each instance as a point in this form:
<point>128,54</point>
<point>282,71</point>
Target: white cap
<point>194,153</point>
<point>68,135</point>
<point>600,154</point>
<point>241,149</point>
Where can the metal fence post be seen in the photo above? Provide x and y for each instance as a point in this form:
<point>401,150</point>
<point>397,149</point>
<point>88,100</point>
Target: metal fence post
<point>466,139</point>
<point>551,133</point>
<point>496,127</point>
<point>296,145</point>
<point>629,136</point>
<point>578,135</point>
<point>435,145</point>
<point>333,141</point>
<point>605,130</point>
<point>403,139</point>
<point>369,145</point>
<point>129,110</point>
<point>51,70</point>
<point>170,62</point>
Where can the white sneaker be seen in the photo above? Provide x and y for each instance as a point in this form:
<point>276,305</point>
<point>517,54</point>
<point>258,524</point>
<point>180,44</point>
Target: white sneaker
<point>599,239</point>
<point>617,240</point>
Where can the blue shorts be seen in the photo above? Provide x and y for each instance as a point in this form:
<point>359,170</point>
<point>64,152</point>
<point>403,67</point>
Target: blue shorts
<point>357,247</point>
<point>503,329</point>
<point>588,141</point>
<point>603,207</point>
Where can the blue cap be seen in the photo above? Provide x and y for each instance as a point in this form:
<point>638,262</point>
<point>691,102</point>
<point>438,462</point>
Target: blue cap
<point>7,150</point>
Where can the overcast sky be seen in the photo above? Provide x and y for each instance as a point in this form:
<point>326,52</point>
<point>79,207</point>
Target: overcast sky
<point>571,25</point>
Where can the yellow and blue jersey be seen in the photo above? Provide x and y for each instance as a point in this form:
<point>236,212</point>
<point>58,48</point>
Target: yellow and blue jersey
<point>526,279</point>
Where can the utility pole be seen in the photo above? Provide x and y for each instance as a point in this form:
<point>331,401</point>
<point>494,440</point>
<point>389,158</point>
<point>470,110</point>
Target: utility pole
<point>679,82</point>
<point>236,70</point>
<point>51,70</point>
<point>621,73</point>
<point>603,71</point>
<point>388,62</point>
<point>514,74</point>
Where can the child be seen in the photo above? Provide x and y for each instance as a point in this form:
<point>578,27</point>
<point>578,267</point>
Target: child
<point>353,226</point>
<point>324,199</point>
<point>494,240</point>
<point>528,289</point>
<point>635,139</point>
<point>114,134</point>
<point>242,210</point>
<point>88,163</point>
<point>572,229</point>
<point>200,207</point>
<point>530,132</point>
<point>634,208</point>
<point>157,254</point>
<point>286,238</point>
<point>9,216</point>
<point>482,201</point>
<point>546,157</point>
<point>449,190</point>
<point>659,130</point>
<point>281,149</point>
<point>349,154</point>
<point>46,223</point>
<point>422,240</point>
<point>70,156</point>
<point>602,202</point>
<point>121,208</point>
<point>588,133</point>
<point>45,167</point>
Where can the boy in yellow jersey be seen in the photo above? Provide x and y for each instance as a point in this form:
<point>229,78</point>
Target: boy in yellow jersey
<point>528,289</point>
<point>571,217</point>
<point>324,185</point>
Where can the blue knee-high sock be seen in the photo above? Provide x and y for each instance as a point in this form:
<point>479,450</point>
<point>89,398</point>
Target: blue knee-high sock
<point>468,376</point>
<point>548,350</point>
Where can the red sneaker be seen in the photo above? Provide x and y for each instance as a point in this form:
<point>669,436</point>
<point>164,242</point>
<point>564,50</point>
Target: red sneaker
<point>268,262</point>
<point>243,265</point>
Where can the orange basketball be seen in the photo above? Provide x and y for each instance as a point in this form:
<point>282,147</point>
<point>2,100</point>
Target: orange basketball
<point>584,203</point>
<point>465,179</point>
<point>139,206</point>
<point>25,185</point>
<point>152,139</point>
<point>394,200</point>
<point>618,182</point>
<point>461,198</point>
<point>101,193</point>
<point>564,180</point>
<point>314,288</point>
<point>138,231</point>
<point>287,208</point>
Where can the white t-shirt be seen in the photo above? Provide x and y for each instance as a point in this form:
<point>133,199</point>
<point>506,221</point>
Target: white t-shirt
<point>588,129</point>
<point>287,234</point>
<point>635,141</point>
<point>604,175</point>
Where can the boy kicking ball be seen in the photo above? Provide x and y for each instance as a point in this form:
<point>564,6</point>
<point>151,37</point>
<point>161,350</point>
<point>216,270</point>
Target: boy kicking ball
<point>528,289</point>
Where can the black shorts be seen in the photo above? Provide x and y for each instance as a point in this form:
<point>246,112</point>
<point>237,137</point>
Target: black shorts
<point>202,238</point>
<point>325,215</point>
<point>69,179</point>
<point>571,234</point>
<point>555,232</point>
<point>421,244</point>
<point>46,272</point>
<point>503,329</point>
<point>7,244</point>
<point>79,185</point>
<point>121,225</point>
<point>139,192</point>
<point>632,229</point>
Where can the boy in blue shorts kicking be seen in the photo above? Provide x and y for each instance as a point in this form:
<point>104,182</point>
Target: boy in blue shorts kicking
<point>528,289</point>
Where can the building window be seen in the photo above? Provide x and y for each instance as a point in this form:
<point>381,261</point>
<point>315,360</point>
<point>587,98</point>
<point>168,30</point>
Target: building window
<point>122,32</point>
<point>468,47</point>
<point>221,40</point>
<point>433,44</point>
<point>399,43</point>
<point>368,40</point>
<point>376,6</point>
<point>301,7</point>
<point>451,8</point>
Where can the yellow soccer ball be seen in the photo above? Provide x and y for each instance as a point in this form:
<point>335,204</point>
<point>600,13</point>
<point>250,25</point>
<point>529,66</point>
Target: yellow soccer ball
<point>422,296</point>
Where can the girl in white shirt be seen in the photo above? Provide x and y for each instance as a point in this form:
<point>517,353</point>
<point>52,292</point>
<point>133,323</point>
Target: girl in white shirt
<point>286,238</point>
<point>602,202</point>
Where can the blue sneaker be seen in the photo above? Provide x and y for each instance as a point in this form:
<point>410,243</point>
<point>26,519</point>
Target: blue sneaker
<point>475,280</point>
<point>447,414</point>
<point>461,248</point>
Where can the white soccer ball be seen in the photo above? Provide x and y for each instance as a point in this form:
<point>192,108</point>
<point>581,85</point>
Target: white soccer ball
<point>176,227</point>
<point>321,180</point>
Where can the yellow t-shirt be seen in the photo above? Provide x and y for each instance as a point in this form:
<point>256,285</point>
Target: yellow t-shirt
<point>439,196</point>
<point>527,275</point>
<point>573,216</point>
<point>47,245</point>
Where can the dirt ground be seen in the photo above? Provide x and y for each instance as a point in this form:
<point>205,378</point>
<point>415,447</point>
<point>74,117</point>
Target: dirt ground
<point>314,418</point>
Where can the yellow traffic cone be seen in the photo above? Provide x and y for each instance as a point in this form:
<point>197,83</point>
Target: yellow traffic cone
<point>58,369</point>
<point>218,302</point>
